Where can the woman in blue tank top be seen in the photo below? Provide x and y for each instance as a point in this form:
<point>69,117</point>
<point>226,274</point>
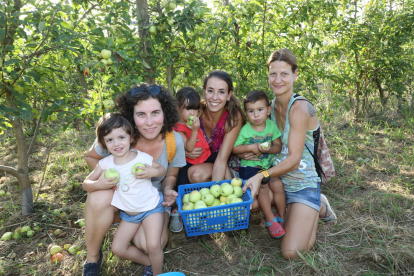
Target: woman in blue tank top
<point>294,167</point>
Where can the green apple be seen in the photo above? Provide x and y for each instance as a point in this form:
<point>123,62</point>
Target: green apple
<point>230,197</point>
<point>53,117</point>
<point>265,145</point>
<point>186,198</point>
<point>190,120</point>
<point>226,189</point>
<point>223,198</point>
<point>110,62</point>
<point>80,222</point>
<point>29,38</point>
<point>25,229</point>
<point>215,190</point>
<point>223,203</point>
<point>215,203</point>
<point>208,199</point>
<point>105,54</point>
<point>110,173</point>
<point>195,196</point>
<point>204,191</point>
<point>238,191</point>
<point>30,233</point>
<point>188,206</point>
<point>136,168</point>
<point>67,246</point>
<point>18,230</point>
<point>57,232</point>
<point>153,29</point>
<point>7,236</point>
<point>172,6</point>
<point>236,182</point>
<point>55,249</point>
<point>16,236</point>
<point>236,200</point>
<point>104,61</point>
<point>2,193</point>
<point>200,204</point>
<point>171,21</point>
<point>73,249</point>
<point>36,228</point>
<point>164,3</point>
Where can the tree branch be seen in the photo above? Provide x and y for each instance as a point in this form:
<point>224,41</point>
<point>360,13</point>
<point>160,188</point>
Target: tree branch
<point>10,170</point>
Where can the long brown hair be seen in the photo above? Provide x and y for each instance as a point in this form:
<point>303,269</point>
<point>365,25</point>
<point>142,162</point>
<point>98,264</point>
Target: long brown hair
<point>233,105</point>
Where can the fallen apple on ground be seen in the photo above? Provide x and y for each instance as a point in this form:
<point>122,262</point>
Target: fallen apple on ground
<point>57,258</point>
<point>55,249</point>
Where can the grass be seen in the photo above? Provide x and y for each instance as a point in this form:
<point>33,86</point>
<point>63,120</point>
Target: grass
<point>372,196</point>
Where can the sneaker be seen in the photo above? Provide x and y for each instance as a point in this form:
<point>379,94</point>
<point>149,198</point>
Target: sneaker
<point>275,229</point>
<point>176,223</point>
<point>147,271</point>
<point>92,269</point>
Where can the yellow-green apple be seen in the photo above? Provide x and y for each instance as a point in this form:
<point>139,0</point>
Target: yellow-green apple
<point>108,103</point>
<point>136,168</point>
<point>215,190</point>
<point>236,182</point>
<point>110,173</point>
<point>190,120</point>
<point>73,249</point>
<point>230,197</point>
<point>204,191</point>
<point>238,191</point>
<point>195,196</point>
<point>265,145</point>
<point>2,193</point>
<point>7,236</point>
<point>153,29</point>
<point>30,233</point>
<point>186,198</point>
<point>57,232</point>
<point>53,117</point>
<point>16,236</point>
<point>223,198</point>
<point>208,199</point>
<point>226,189</point>
<point>223,203</point>
<point>164,3</point>
<point>25,229</point>
<point>67,246</point>
<point>80,222</point>
<point>171,21</point>
<point>110,62</point>
<point>237,200</point>
<point>105,54</point>
<point>55,249</point>
<point>216,203</point>
<point>200,204</point>
<point>104,61</point>
<point>188,206</point>
<point>172,6</point>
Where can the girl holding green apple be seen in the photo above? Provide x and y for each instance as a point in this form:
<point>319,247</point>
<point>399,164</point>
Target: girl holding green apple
<point>146,108</point>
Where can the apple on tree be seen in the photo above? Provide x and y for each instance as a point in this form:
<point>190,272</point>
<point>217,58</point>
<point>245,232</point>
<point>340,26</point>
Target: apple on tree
<point>153,29</point>
<point>105,54</point>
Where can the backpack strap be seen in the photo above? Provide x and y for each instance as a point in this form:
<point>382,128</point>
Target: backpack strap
<point>170,143</point>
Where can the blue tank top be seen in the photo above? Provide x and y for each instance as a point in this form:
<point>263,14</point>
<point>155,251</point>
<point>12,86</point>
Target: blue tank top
<point>305,176</point>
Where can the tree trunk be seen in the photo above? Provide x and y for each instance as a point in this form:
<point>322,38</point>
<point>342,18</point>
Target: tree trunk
<point>144,41</point>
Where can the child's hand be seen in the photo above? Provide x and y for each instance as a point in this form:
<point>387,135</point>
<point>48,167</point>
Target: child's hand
<point>106,183</point>
<point>196,124</point>
<point>147,172</point>
<point>255,148</point>
<point>264,149</point>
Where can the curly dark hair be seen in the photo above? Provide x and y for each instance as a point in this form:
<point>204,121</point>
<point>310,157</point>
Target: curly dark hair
<point>125,105</point>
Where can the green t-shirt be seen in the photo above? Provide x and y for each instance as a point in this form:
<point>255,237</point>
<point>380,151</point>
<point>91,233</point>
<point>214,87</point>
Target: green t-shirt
<point>249,136</point>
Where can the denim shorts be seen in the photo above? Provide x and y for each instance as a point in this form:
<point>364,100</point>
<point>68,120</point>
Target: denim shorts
<point>140,217</point>
<point>308,196</point>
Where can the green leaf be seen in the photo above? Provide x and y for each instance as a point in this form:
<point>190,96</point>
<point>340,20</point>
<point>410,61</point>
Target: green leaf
<point>145,64</point>
<point>41,26</point>
<point>2,34</point>
<point>11,61</point>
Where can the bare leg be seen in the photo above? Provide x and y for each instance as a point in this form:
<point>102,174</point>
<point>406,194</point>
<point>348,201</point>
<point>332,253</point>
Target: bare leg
<point>140,240</point>
<point>99,215</point>
<point>279,196</point>
<point>153,226</point>
<point>255,204</point>
<point>301,224</point>
<point>121,243</point>
<point>265,203</point>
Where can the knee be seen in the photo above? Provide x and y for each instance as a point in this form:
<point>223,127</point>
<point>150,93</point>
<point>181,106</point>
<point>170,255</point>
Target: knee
<point>197,176</point>
<point>99,200</point>
<point>289,254</point>
<point>153,247</point>
<point>117,250</point>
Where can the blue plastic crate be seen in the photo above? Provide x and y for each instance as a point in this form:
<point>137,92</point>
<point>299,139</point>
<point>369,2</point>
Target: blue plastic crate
<point>221,218</point>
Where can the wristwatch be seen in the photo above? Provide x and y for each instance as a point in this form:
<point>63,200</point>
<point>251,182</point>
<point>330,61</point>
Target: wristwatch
<point>266,178</point>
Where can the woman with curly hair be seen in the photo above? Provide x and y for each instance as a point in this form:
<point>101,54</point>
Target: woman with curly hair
<point>151,110</point>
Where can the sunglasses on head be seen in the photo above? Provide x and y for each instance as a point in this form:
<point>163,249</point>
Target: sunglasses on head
<point>152,90</point>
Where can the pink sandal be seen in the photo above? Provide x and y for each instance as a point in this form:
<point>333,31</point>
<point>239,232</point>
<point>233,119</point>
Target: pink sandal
<point>275,229</point>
